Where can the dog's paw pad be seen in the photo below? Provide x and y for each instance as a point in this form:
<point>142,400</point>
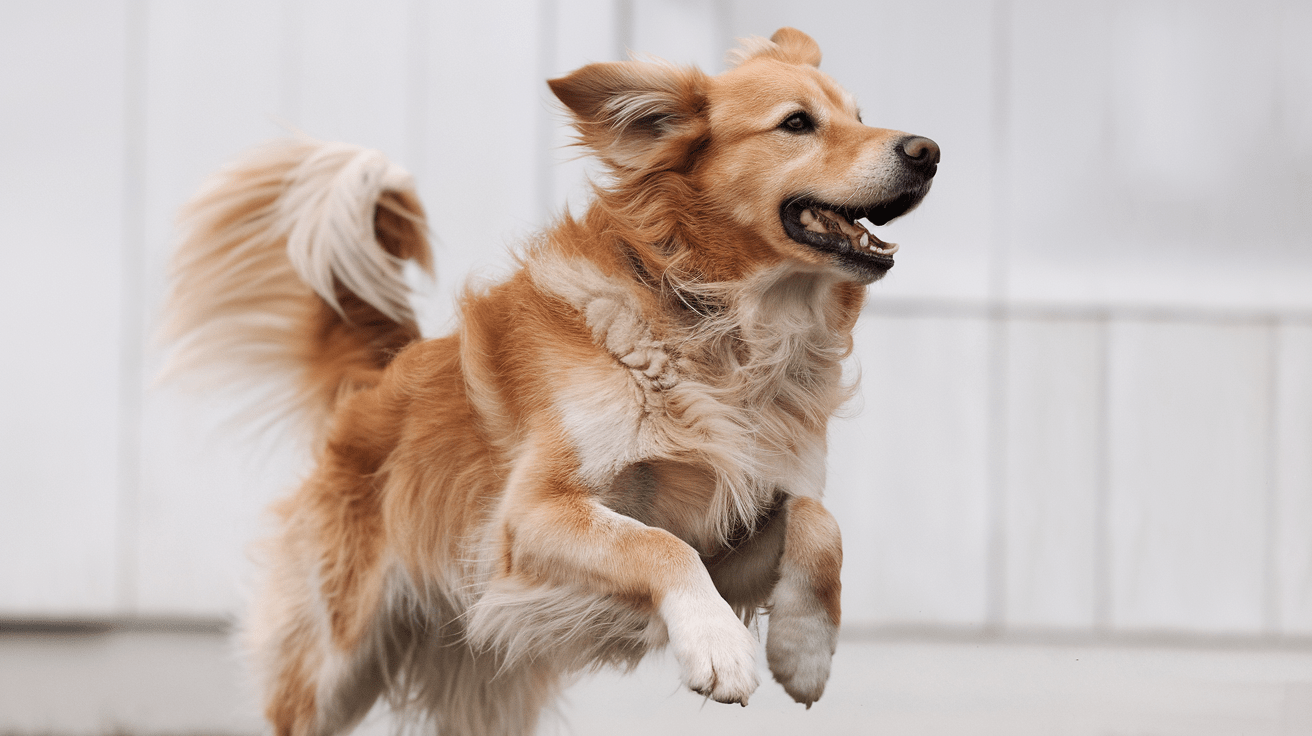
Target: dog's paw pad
<point>717,655</point>
<point>723,672</point>
<point>799,650</point>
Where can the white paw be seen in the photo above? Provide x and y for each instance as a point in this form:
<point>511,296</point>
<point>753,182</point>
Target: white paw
<point>799,648</point>
<point>715,650</point>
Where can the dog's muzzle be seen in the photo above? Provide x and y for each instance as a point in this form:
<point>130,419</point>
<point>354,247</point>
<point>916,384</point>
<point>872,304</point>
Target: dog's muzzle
<point>836,229</point>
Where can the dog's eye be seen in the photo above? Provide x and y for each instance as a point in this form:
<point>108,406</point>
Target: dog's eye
<point>798,122</point>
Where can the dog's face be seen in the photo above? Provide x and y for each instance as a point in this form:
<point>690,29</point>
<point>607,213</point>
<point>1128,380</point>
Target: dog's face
<point>773,145</point>
<point>795,163</point>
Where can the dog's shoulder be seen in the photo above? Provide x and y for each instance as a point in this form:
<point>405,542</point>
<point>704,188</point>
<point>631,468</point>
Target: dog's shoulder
<point>620,312</point>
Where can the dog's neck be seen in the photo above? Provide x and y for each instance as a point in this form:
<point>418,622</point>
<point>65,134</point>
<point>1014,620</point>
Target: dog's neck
<point>763,353</point>
<point>774,324</point>
<point>776,339</point>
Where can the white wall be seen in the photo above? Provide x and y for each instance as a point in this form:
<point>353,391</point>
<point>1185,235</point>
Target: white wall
<point>1087,385</point>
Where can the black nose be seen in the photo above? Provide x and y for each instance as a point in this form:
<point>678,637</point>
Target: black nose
<point>920,153</point>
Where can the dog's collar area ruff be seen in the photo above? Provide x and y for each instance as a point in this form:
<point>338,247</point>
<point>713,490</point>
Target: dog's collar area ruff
<point>834,229</point>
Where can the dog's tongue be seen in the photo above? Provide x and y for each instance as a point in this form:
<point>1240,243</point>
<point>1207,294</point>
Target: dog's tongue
<point>828,221</point>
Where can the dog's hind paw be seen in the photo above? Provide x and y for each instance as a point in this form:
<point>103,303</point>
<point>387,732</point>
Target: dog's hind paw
<point>799,649</point>
<point>715,650</point>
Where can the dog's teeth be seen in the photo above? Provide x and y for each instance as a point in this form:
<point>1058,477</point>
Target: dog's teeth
<point>813,223</point>
<point>851,231</point>
<point>865,240</point>
<point>888,249</point>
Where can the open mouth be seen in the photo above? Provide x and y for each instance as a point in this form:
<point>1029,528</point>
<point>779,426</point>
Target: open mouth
<point>836,230</point>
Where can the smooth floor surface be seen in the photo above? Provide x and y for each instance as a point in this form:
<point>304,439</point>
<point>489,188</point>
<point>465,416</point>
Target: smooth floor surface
<point>188,681</point>
<point>977,689</point>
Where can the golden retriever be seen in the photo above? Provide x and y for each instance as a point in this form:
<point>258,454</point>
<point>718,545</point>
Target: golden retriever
<point>621,446</point>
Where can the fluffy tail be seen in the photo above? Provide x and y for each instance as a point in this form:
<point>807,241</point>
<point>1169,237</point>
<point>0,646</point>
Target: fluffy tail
<point>288,280</point>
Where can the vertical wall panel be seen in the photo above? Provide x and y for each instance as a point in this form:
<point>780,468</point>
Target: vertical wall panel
<point>582,32</point>
<point>1293,503</point>
<point>62,82</point>
<point>1053,472</point>
<point>479,175</point>
<point>1294,80</point>
<point>1148,141</point>
<point>907,479</point>
<point>1140,148</point>
<point>352,73</point>
<point>1057,101</point>
<point>218,83</point>
<point>1189,479</point>
<point>681,31</point>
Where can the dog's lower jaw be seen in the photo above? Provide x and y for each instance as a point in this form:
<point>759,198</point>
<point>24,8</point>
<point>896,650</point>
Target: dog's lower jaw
<point>715,651</point>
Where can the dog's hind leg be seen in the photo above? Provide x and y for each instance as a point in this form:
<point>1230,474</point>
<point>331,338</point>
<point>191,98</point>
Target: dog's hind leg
<point>474,692</point>
<point>312,685</point>
<point>322,633</point>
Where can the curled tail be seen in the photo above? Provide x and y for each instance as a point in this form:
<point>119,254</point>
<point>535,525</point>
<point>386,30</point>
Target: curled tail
<point>288,280</point>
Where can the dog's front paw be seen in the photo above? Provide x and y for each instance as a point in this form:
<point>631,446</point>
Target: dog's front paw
<point>714,649</point>
<point>799,648</point>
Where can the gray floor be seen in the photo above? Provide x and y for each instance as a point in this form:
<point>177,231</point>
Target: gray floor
<point>125,680</point>
<point>928,688</point>
<point>184,681</point>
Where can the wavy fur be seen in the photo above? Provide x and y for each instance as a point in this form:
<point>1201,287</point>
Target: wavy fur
<point>620,447</point>
<point>275,240</point>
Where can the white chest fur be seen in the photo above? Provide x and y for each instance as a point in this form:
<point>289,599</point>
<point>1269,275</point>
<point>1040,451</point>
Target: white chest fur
<point>746,394</point>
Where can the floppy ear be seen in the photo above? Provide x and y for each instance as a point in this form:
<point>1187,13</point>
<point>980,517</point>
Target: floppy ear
<point>636,114</point>
<point>787,44</point>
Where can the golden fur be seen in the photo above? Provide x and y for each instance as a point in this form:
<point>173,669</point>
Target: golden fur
<point>621,446</point>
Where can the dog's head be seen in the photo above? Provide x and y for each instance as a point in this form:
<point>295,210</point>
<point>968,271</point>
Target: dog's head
<point>768,162</point>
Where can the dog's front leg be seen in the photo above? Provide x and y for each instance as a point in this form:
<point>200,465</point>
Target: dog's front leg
<point>804,610</point>
<point>556,531</point>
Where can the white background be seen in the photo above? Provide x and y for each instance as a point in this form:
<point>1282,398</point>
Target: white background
<point>1087,403</point>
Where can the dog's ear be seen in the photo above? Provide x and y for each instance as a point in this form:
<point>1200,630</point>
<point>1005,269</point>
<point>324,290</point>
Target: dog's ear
<point>787,44</point>
<point>637,115</point>
<point>797,46</point>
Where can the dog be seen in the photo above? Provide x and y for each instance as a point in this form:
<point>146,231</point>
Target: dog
<point>621,446</point>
